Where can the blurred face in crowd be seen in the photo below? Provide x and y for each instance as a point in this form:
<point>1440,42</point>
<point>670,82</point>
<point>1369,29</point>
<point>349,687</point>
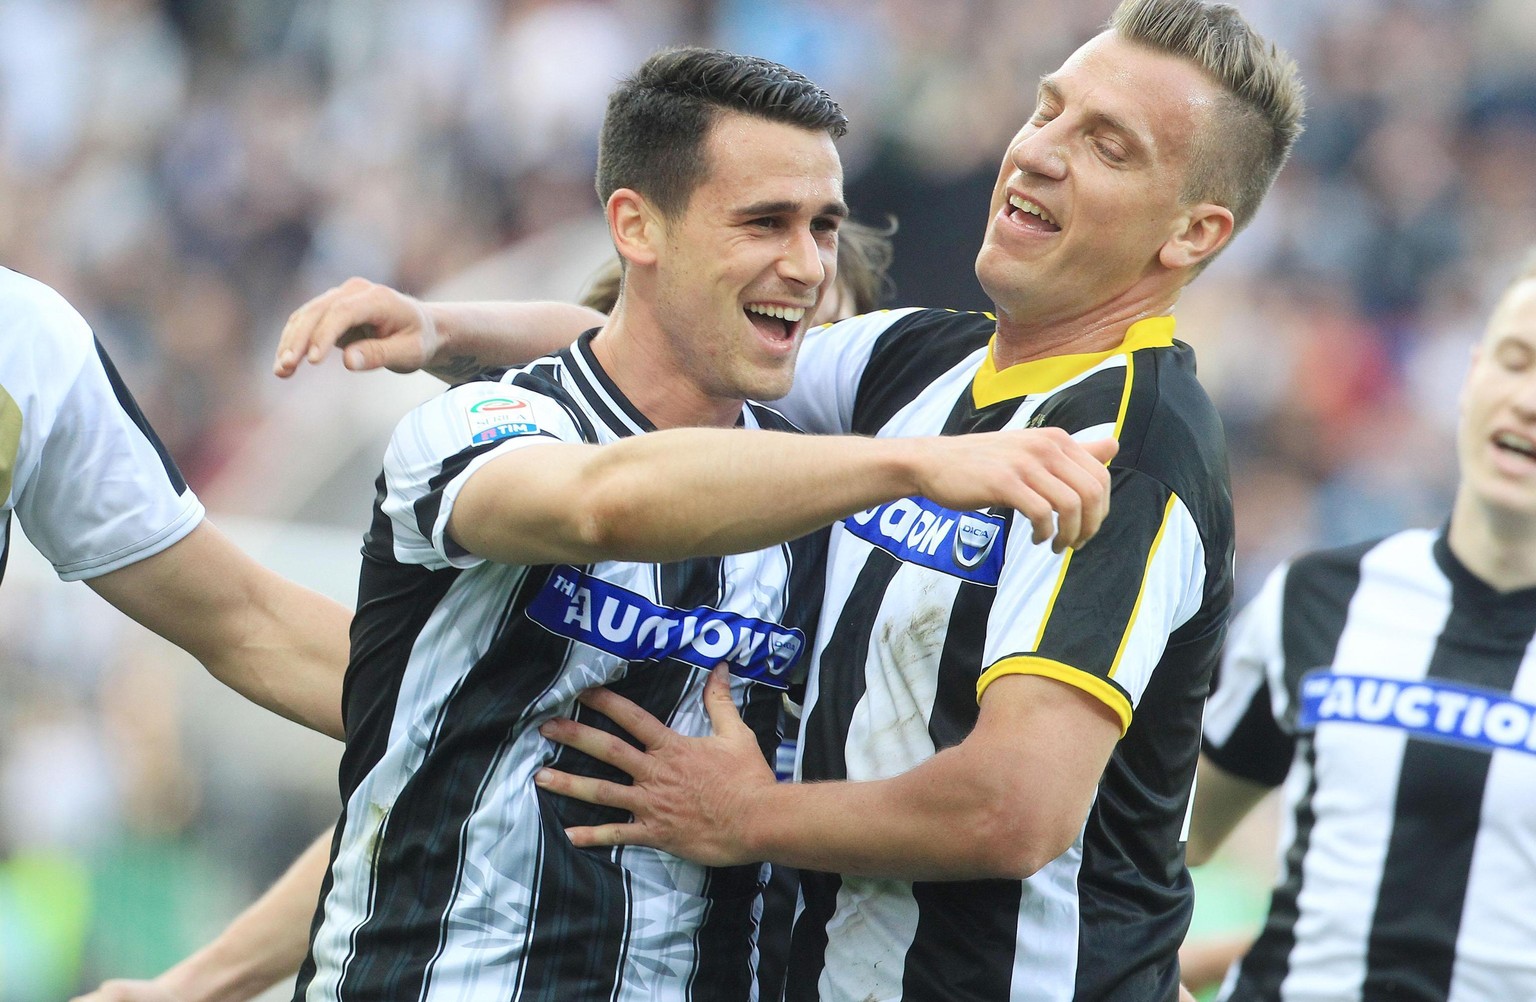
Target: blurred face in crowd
<point>742,269</point>
<point>1497,435</point>
<point>1088,207</point>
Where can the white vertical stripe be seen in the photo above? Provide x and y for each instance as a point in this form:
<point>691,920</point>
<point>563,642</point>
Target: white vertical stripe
<point>1341,873</point>
<point>1496,944</point>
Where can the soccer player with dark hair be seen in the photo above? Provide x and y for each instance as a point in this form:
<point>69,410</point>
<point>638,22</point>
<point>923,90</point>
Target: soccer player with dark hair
<point>542,531</point>
<point>1003,737</point>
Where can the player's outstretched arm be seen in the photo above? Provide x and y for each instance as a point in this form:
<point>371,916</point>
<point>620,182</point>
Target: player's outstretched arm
<point>1018,789</point>
<point>377,327</point>
<point>695,491</point>
<point>263,945</point>
<point>277,643</point>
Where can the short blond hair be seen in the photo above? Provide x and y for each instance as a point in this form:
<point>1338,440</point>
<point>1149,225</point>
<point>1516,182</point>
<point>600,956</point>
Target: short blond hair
<point>1246,140</point>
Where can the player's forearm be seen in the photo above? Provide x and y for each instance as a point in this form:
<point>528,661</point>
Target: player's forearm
<point>475,336</point>
<point>277,643</point>
<point>263,945</point>
<point>943,820</point>
<point>291,655</point>
<point>698,491</point>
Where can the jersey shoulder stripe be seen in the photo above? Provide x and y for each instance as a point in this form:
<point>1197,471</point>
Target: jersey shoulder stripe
<point>909,354</point>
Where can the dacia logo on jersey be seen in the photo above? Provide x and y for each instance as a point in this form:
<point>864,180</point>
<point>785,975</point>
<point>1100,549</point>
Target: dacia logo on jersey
<point>967,545</point>
<point>1432,709</point>
<point>600,614</point>
<point>499,417</point>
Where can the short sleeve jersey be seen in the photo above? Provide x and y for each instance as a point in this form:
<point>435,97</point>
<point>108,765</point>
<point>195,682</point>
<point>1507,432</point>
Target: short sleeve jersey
<point>452,877</point>
<point>926,607</point>
<point>1393,693</point>
<point>90,482</point>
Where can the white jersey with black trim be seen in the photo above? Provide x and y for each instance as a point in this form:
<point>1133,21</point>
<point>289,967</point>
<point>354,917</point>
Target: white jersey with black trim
<point>90,482</point>
<point>1393,693</point>
<point>451,875</point>
<point>925,607</point>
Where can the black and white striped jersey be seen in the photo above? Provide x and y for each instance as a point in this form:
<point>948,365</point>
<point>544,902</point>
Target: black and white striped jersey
<point>92,485</point>
<point>925,607</point>
<point>451,875</point>
<point>1394,695</point>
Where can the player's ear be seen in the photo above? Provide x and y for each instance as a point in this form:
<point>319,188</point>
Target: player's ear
<point>635,225</point>
<point>1202,231</point>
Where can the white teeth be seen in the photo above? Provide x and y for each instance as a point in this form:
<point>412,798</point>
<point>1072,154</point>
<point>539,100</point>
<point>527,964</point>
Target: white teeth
<point>1026,206</point>
<point>791,313</point>
<point>1518,443</point>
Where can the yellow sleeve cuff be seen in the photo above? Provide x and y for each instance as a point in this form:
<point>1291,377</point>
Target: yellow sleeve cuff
<point>1102,690</point>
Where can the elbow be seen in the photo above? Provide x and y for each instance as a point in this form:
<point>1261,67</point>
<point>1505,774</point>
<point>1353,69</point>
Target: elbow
<point>1015,845</point>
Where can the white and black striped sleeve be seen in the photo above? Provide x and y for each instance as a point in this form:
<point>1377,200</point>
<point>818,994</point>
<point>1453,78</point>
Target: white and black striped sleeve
<point>441,444</point>
<point>1099,618</point>
<point>830,368</point>
<point>1241,733</point>
<point>95,490</point>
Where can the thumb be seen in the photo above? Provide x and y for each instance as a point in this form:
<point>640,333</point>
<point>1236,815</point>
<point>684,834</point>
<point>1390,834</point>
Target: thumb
<point>375,353</point>
<point>723,715</point>
<point>1103,449</point>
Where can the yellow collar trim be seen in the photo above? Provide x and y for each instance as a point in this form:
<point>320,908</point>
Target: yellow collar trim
<point>991,386</point>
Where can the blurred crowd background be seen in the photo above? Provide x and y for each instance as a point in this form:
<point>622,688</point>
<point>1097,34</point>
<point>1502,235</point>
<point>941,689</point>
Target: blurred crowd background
<point>187,172</point>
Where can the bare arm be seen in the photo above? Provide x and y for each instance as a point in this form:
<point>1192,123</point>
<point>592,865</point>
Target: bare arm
<point>1221,801</point>
<point>1203,963</point>
<point>380,328</point>
<point>691,491</point>
<point>277,643</point>
<point>263,945</point>
<point>1018,787</point>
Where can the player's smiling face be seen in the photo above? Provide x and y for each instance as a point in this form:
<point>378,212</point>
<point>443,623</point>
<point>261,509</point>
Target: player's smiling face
<point>1497,435</point>
<point>1091,188</point>
<point>750,257</point>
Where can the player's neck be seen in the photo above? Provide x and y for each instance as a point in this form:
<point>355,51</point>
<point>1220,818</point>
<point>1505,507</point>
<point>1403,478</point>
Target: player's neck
<point>655,382</point>
<point>1025,337</point>
<point>1498,547</point>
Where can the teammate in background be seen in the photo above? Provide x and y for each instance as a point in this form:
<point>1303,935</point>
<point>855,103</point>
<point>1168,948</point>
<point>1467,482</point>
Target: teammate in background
<point>100,497</point>
<point>1391,686</point>
<point>530,541</point>
<point>1019,728</point>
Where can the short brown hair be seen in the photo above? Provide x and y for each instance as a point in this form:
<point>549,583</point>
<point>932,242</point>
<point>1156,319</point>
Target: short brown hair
<point>1247,139</point>
<point>657,120</point>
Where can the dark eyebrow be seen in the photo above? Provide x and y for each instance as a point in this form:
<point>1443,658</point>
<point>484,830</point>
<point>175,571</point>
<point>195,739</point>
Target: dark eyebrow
<point>1049,88</point>
<point>785,206</point>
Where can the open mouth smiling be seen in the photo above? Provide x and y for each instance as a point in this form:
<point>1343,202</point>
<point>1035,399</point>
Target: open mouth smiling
<point>1031,215</point>
<point>777,321</point>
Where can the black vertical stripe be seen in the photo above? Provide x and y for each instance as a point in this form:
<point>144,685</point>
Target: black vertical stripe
<point>964,943</point>
<point>1411,949</point>
<point>1267,961</point>
<point>1315,606</point>
<point>419,856</point>
<point>822,734</point>
<point>1098,595</point>
<point>131,408</point>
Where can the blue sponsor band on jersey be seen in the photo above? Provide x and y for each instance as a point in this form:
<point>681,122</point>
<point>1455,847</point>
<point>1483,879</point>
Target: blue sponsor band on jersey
<point>1442,711</point>
<point>966,544</point>
<point>600,614</point>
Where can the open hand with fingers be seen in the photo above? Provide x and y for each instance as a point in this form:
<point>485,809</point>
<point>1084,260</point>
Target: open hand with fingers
<point>691,797</point>
<point>375,326</point>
